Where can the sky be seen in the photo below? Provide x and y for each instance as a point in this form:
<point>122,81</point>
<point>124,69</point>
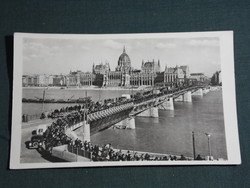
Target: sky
<point>60,56</point>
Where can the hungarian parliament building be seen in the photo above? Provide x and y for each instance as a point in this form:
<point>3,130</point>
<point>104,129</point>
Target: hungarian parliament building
<point>124,75</point>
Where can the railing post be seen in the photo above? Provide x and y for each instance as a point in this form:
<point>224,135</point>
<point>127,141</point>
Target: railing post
<point>76,153</point>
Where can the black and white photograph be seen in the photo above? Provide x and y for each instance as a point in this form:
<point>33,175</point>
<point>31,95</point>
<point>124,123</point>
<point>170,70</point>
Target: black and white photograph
<point>124,100</point>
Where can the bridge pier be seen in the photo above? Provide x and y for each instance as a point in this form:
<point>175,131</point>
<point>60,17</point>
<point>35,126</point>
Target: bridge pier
<point>187,97</point>
<point>180,98</point>
<point>131,123</point>
<point>151,112</point>
<point>205,91</point>
<point>128,123</point>
<point>199,92</point>
<point>86,131</point>
<point>167,105</point>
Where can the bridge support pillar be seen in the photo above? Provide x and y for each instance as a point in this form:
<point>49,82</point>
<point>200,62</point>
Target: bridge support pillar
<point>180,98</point>
<point>128,123</point>
<point>205,90</point>
<point>131,123</point>
<point>198,92</point>
<point>167,105</point>
<point>86,131</point>
<point>154,112</point>
<point>187,97</point>
<point>151,112</point>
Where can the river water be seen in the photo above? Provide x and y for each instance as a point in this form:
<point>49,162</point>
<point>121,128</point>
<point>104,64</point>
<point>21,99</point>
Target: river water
<point>170,133</point>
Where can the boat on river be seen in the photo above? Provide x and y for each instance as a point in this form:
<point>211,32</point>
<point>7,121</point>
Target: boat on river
<point>39,100</point>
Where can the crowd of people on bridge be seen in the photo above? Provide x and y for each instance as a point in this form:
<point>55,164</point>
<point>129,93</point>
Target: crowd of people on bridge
<point>88,108</point>
<point>57,113</point>
<point>107,103</point>
<point>55,134</point>
<point>148,95</point>
<point>91,106</point>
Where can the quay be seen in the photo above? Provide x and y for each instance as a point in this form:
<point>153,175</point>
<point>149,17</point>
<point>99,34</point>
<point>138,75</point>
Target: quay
<point>74,154</point>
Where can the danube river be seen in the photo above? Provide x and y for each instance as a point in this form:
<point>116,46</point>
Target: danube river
<point>171,133</point>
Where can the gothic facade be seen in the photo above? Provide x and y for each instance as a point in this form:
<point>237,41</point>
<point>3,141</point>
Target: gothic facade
<point>121,75</point>
<point>101,69</point>
<point>151,67</point>
<point>125,76</point>
<point>178,75</point>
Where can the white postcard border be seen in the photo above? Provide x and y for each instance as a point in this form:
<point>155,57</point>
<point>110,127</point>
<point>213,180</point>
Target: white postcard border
<point>229,100</point>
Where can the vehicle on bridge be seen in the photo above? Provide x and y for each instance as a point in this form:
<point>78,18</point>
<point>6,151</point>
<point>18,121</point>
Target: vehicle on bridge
<point>125,97</point>
<point>37,140</point>
<point>55,115</point>
<point>84,100</point>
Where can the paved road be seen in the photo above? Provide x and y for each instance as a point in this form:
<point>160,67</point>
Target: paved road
<point>32,155</point>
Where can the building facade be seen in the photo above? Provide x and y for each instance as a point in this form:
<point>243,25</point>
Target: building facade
<point>124,75</point>
<point>176,76</point>
<point>216,78</point>
<point>124,63</point>
<point>86,79</point>
<point>73,79</point>
<point>101,69</point>
<point>199,77</point>
<point>25,80</point>
<point>143,79</point>
<point>151,67</point>
<point>58,80</point>
<point>121,75</point>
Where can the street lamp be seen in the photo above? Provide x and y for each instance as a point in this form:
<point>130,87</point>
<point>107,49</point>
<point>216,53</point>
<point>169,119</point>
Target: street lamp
<point>193,144</point>
<point>208,142</point>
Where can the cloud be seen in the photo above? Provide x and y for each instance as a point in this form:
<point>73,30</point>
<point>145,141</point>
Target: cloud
<point>203,42</point>
<point>138,44</point>
<point>26,58</point>
<point>112,44</point>
<point>34,55</point>
<point>215,63</point>
<point>36,49</point>
<point>35,46</point>
<point>84,47</point>
<point>165,45</point>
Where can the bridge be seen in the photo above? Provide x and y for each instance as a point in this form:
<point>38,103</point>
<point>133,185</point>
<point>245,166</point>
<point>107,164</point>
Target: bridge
<point>146,106</point>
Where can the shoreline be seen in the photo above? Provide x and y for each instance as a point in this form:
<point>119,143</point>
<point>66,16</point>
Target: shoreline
<point>91,88</point>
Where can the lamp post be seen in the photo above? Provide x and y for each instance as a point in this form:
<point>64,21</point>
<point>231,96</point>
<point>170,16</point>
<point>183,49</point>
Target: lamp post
<point>193,144</point>
<point>44,97</point>
<point>209,148</point>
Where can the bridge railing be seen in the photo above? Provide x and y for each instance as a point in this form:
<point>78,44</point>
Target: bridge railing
<point>143,98</point>
<point>79,151</point>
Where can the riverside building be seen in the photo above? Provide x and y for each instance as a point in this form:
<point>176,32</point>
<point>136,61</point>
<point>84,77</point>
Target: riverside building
<point>124,75</point>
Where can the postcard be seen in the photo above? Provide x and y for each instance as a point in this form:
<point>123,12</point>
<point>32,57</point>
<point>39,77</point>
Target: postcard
<point>88,100</point>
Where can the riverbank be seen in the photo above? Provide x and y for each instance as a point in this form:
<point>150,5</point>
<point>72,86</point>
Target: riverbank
<point>91,88</point>
<point>215,88</point>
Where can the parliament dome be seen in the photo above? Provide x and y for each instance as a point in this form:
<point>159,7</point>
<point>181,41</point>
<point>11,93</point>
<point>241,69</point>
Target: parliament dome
<point>124,59</point>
